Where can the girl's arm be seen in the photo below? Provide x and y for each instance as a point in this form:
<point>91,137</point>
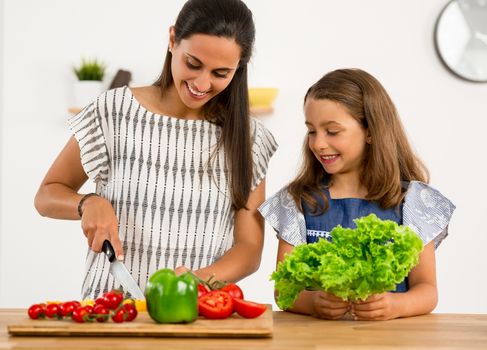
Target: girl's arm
<point>244,257</point>
<point>316,303</point>
<point>421,298</point>
<point>58,198</point>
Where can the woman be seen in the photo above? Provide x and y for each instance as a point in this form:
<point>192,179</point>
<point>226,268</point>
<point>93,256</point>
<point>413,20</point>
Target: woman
<point>179,165</point>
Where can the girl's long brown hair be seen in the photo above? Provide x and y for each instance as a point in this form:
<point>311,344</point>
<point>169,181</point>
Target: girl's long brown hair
<point>389,158</point>
<point>230,108</point>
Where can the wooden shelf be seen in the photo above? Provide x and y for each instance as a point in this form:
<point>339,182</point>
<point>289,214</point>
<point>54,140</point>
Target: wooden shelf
<point>258,111</point>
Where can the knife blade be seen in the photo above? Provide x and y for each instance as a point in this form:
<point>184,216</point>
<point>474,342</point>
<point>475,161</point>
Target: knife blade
<point>120,272</point>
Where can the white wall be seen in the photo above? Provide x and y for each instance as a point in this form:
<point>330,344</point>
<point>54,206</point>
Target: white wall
<point>445,117</point>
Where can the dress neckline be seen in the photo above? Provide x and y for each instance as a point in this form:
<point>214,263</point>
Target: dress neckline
<point>128,90</point>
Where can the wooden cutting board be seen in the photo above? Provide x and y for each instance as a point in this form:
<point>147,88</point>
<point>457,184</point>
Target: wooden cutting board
<point>143,326</point>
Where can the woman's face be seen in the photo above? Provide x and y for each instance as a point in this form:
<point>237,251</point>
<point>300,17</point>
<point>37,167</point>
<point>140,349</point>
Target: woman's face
<point>202,66</point>
<point>336,138</point>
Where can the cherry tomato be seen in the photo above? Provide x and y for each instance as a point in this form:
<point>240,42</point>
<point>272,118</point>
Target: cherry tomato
<point>120,316</point>
<point>36,311</point>
<point>99,301</point>
<point>112,299</point>
<point>67,308</point>
<point>131,311</point>
<point>248,309</point>
<point>216,304</point>
<point>202,290</point>
<point>80,314</point>
<point>53,310</point>
<point>233,290</point>
<point>100,313</point>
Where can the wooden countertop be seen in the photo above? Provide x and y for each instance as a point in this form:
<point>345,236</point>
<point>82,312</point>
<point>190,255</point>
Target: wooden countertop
<point>291,331</point>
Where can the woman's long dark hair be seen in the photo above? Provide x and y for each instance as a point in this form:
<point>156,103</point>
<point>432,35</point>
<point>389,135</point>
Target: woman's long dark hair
<point>389,158</point>
<point>230,108</point>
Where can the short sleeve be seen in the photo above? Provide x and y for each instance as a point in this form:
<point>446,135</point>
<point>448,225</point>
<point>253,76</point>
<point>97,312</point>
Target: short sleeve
<point>263,147</point>
<point>427,212</point>
<point>86,128</point>
<point>281,213</point>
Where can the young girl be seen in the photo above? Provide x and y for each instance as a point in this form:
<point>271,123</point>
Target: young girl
<point>179,165</point>
<point>357,161</point>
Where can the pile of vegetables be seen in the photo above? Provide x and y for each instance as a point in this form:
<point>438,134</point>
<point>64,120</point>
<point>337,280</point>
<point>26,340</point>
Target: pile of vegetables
<point>181,299</point>
<point>111,304</point>
<point>357,263</point>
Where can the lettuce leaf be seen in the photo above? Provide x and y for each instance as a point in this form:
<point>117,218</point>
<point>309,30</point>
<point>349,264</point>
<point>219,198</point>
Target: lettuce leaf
<point>357,263</point>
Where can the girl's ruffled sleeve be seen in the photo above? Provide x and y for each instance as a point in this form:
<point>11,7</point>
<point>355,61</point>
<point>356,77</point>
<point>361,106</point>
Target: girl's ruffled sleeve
<point>263,147</point>
<point>427,212</point>
<point>281,213</point>
<point>86,127</point>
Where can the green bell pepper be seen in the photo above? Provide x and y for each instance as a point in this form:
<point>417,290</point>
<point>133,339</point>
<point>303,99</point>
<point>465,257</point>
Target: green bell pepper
<point>172,299</point>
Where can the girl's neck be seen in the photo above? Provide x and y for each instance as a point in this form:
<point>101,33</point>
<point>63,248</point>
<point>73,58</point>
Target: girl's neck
<point>346,186</point>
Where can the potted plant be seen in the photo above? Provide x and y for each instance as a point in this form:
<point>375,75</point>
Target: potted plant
<point>90,75</point>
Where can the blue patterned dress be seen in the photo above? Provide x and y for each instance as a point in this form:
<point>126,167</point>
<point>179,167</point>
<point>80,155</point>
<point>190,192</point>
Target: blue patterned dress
<point>342,211</point>
<point>424,209</point>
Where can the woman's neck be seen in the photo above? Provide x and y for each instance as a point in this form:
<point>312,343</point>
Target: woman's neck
<point>168,104</point>
<point>346,186</point>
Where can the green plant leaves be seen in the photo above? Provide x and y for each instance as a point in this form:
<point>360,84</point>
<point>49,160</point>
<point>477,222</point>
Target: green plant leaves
<point>357,263</point>
<point>90,70</point>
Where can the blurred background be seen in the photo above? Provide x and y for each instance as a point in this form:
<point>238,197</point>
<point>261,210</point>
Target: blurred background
<point>297,42</point>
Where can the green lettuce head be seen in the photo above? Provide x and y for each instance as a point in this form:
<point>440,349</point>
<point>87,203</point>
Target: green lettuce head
<point>357,263</point>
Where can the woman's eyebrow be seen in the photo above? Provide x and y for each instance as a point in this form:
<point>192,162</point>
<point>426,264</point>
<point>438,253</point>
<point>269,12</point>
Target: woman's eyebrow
<point>200,62</point>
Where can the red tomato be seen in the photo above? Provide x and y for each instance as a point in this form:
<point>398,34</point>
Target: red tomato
<point>233,290</point>
<point>248,309</point>
<point>36,311</point>
<point>100,313</point>
<point>202,290</point>
<point>216,304</point>
<point>131,311</point>
<point>112,299</point>
<point>67,308</point>
<point>80,314</point>
<point>120,316</point>
<point>53,310</point>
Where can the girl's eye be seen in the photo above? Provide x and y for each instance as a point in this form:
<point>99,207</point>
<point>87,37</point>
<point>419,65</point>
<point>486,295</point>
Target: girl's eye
<point>332,132</point>
<point>311,132</point>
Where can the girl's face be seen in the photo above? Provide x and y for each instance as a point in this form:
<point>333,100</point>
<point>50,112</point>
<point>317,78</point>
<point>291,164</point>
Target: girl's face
<point>202,67</point>
<point>336,138</point>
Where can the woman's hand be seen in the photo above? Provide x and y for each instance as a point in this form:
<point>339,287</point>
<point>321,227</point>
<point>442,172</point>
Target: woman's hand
<point>99,223</point>
<point>376,307</point>
<point>328,306</point>
<point>180,270</point>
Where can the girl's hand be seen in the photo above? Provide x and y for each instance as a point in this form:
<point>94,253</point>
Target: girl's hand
<point>99,222</point>
<point>328,306</point>
<point>376,307</point>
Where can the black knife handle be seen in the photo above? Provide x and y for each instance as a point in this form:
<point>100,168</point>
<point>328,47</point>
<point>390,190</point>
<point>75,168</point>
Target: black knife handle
<point>108,250</point>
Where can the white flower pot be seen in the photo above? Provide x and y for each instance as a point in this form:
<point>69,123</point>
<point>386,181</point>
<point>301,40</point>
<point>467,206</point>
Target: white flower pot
<point>85,92</point>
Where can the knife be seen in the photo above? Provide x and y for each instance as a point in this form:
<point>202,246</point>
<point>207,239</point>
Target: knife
<point>120,272</point>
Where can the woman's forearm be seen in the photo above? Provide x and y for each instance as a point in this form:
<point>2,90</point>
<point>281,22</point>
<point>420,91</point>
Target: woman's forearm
<point>57,201</point>
<point>238,262</point>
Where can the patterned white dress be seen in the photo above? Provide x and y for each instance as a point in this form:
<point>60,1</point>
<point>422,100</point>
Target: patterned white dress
<point>173,204</point>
